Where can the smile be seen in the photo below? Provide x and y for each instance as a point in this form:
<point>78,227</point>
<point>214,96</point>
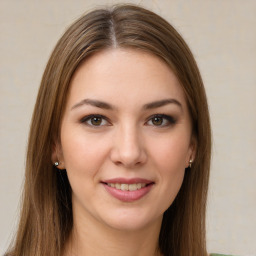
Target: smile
<point>128,190</point>
<point>127,187</point>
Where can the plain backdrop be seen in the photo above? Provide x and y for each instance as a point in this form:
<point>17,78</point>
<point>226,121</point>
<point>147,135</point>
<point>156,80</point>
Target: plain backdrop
<point>222,36</point>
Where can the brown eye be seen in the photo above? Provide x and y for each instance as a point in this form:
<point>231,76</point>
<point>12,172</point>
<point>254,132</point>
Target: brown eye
<point>96,121</point>
<point>161,120</point>
<point>157,120</point>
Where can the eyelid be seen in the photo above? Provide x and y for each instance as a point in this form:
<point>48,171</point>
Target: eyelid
<point>88,117</point>
<point>170,119</point>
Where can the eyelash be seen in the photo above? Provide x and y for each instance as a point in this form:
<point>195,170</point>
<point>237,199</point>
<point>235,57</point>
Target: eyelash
<point>88,118</point>
<point>167,120</point>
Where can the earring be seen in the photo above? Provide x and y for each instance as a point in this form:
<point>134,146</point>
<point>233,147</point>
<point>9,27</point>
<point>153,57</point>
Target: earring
<point>56,164</point>
<point>190,163</point>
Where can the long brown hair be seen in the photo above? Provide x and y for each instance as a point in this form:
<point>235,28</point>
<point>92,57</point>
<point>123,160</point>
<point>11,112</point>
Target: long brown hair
<point>46,216</point>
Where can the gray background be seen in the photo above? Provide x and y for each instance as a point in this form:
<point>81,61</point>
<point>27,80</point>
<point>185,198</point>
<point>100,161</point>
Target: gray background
<point>222,36</point>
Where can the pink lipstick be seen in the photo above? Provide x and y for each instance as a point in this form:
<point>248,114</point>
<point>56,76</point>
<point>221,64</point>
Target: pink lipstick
<point>128,190</point>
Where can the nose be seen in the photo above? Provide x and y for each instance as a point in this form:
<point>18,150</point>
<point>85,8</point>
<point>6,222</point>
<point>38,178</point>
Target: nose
<point>128,147</point>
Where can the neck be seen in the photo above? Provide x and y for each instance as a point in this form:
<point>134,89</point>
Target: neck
<point>90,238</point>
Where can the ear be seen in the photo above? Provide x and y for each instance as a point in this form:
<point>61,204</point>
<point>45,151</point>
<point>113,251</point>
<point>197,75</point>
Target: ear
<point>57,156</point>
<point>192,151</point>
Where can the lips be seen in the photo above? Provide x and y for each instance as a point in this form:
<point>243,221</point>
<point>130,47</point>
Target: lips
<point>127,187</point>
<point>128,190</point>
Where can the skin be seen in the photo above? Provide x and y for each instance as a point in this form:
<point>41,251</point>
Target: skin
<point>127,142</point>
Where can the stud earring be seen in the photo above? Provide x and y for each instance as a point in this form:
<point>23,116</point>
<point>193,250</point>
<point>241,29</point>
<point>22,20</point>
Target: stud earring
<point>56,164</point>
<point>190,163</point>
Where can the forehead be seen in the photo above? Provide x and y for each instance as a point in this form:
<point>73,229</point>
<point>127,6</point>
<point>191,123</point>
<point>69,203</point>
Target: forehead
<point>119,75</point>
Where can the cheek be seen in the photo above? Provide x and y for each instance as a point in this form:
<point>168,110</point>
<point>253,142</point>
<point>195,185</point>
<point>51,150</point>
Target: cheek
<point>172,166</point>
<point>171,153</point>
<point>170,156</point>
<point>82,152</point>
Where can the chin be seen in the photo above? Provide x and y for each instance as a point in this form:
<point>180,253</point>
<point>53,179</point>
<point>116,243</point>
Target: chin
<point>128,220</point>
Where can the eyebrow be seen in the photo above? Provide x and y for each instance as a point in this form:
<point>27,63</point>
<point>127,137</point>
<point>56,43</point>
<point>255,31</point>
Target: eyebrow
<point>95,103</point>
<point>161,103</point>
<point>104,105</point>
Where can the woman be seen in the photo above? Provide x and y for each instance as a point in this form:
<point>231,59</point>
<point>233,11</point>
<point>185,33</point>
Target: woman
<point>119,147</point>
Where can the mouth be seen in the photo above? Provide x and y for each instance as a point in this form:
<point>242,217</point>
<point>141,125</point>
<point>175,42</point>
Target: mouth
<point>128,190</point>
<point>127,187</point>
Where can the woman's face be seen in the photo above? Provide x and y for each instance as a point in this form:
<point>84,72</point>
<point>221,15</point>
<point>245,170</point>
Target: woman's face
<point>125,139</point>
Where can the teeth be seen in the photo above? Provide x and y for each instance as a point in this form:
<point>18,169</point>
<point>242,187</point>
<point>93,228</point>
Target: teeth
<point>127,187</point>
<point>124,186</point>
<point>132,187</point>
